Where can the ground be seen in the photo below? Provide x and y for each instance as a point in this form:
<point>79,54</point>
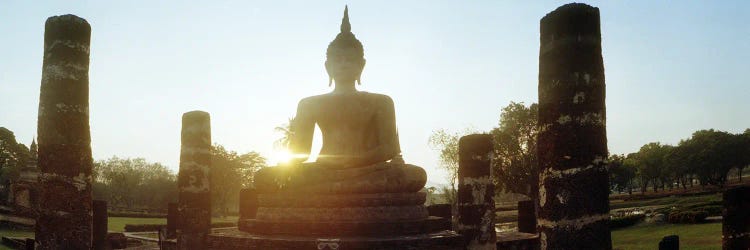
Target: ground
<point>647,236</point>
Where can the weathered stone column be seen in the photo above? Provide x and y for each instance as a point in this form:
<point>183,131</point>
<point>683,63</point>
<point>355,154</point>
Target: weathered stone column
<point>527,217</point>
<point>476,204</point>
<point>572,140</point>
<point>100,225</point>
<point>172,220</point>
<point>735,224</point>
<point>248,203</point>
<point>671,242</point>
<point>193,181</point>
<point>65,161</point>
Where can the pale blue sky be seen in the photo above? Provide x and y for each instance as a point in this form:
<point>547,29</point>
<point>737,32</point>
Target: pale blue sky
<point>671,67</point>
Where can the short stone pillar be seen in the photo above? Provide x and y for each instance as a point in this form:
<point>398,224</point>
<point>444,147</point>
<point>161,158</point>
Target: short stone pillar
<point>64,212</point>
<point>735,224</point>
<point>671,242</point>
<point>476,205</point>
<point>100,225</point>
<point>248,203</point>
<point>527,217</point>
<point>572,140</point>
<point>172,220</point>
<point>193,181</point>
<point>440,210</point>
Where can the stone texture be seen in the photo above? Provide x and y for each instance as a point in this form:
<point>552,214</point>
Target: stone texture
<point>100,225</point>
<point>527,217</point>
<point>671,242</point>
<point>476,191</point>
<point>193,181</point>
<point>249,203</point>
<point>364,214</point>
<point>173,217</point>
<point>572,141</point>
<point>517,241</point>
<point>65,161</point>
<point>735,225</point>
<point>290,200</point>
<point>345,228</point>
<point>440,210</point>
<point>234,239</point>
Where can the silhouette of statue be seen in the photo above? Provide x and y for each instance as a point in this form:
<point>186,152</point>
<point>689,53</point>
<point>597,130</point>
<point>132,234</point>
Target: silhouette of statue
<point>361,151</point>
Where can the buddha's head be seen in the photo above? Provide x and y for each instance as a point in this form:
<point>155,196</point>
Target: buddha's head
<point>345,55</point>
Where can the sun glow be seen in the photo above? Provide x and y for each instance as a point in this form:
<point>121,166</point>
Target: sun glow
<point>281,156</point>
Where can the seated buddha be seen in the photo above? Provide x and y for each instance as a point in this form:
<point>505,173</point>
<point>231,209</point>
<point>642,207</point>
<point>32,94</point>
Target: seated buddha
<point>360,152</point>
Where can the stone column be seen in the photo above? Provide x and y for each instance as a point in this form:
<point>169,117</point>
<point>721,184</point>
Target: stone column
<point>193,181</point>
<point>65,161</point>
<point>735,224</point>
<point>248,203</point>
<point>172,218</point>
<point>527,217</point>
<point>671,242</point>
<point>100,225</point>
<point>476,205</point>
<point>572,140</point>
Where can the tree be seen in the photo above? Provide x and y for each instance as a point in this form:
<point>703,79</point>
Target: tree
<point>134,183</point>
<point>286,134</point>
<point>621,175</point>
<point>230,172</point>
<point>447,144</point>
<point>515,165</point>
<point>13,156</point>
<point>712,154</point>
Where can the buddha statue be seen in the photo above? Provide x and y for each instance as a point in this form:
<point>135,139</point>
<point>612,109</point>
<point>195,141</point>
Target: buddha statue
<point>360,152</point>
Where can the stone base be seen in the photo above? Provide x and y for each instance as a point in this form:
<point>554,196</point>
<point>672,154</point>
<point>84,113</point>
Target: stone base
<point>345,228</point>
<point>235,239</point>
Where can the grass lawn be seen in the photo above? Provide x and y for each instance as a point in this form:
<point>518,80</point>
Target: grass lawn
<point>647,236</point>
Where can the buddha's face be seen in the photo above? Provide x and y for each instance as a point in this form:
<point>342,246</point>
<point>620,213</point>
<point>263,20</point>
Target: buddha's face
<point>345,66</point>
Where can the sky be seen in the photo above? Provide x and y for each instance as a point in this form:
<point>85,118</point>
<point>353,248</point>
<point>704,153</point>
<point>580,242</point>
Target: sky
<point>671,68</point>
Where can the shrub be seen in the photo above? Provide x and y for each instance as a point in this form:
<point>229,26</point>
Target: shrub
<point>692,216</point>
<point>625,221</point>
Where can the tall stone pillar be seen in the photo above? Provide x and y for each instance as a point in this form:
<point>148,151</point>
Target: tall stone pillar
<point>100,225</point>
<point>194,204</point>
<point>172,217</point>
<point>476,204</point>
<point>527,217</point>
<point>65,163</point>
<point>735,225</point>
<point>572,140</point>
<point>248,203</point>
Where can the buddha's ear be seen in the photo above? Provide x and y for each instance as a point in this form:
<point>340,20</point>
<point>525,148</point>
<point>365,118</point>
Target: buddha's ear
<point>328,70</point>
<point>360,71</point>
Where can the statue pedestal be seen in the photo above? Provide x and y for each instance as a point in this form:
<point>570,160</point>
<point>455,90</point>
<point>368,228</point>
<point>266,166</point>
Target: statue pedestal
<point>345,221</point>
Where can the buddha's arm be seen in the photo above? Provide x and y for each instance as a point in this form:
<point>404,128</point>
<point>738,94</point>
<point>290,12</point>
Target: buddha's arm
<point>303,127</point>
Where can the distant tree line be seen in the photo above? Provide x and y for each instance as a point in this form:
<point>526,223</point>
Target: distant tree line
<point>705,158</point>
<point>135,184</point>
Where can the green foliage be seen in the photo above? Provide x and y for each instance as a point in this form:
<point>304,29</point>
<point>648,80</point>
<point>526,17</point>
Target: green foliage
<point>515,159</point>
<point>13,156</point>
<point>134,183</point>
<point>692,216</point>
<point>447,143</point>
<point>231,172</point>
<point>621,174</point>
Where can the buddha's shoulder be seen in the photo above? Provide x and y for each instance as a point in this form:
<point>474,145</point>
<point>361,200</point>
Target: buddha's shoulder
<point>319,99</point>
